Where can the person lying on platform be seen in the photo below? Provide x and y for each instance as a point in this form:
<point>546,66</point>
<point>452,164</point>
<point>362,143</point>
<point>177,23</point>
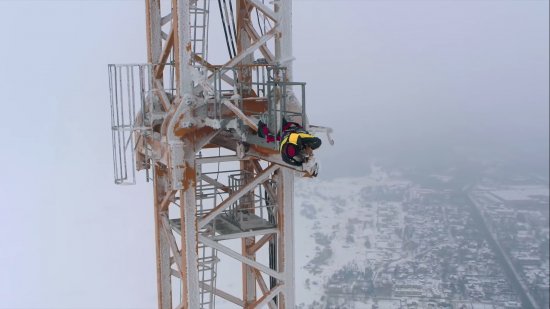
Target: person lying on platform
<point>297,144</point>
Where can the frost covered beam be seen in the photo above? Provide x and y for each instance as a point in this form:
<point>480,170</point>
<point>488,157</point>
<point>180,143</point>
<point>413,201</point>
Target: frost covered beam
<point>189,233</point>
<point>153,22</point>
<point>266,185</point>
<point>168,198</point>
<point>268,297</point>
<point>215,183</point>
<point>248,121</point>
<point>263,48</point>
<point>162,95</point>
<point>205,160</point>
<point>165,53</point>
<point>164,262</point>
<point>264,9</point>
<point>237,256</point>
<point>260,243</point>
<point>172,241</point>
<point>269,232</point>
<point>252,48</point>
<point>263,287</point>
<point>237,301</point>
<point>285,259</point>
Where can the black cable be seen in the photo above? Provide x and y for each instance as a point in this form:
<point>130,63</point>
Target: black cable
<point>233,18</point>
<point>225,30</point>
<point>259,24</point>
<point>229,26</point>
<point>265,31</point>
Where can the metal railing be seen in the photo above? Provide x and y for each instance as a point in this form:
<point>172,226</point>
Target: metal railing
<point>266,82</point>
<point>254,203</point>
<point>129,85</point>
<point>199,13</point>
<point>135,112</point>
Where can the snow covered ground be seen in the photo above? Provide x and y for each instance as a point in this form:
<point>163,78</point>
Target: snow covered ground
<point>326,214</point>
<point>518,193</point>
<point>333,225</point>
<point>356,223</point>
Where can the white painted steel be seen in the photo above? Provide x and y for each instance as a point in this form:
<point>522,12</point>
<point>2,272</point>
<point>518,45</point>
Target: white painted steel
<point>264,9</point>
<point>268,297</point>
<point>184,47</point>
<point>284,53</point>
<point>206,160</point>
<point>266,37</point>
<point>287,202</point>
<point>237,301</point>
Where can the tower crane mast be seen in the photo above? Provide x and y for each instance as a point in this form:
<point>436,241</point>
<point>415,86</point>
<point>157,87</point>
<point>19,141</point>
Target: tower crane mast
<point>192,126</point>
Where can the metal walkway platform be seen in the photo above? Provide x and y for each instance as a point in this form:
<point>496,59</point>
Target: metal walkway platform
<point>225,228</point>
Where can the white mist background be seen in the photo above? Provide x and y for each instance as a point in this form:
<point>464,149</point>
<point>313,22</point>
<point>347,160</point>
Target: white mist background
<point>388,76</point>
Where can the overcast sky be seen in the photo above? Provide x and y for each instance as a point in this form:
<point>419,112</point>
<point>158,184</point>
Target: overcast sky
<point>389,77</point>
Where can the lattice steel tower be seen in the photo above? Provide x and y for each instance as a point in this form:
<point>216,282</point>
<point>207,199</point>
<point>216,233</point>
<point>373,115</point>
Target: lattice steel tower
<point>191,125</point>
